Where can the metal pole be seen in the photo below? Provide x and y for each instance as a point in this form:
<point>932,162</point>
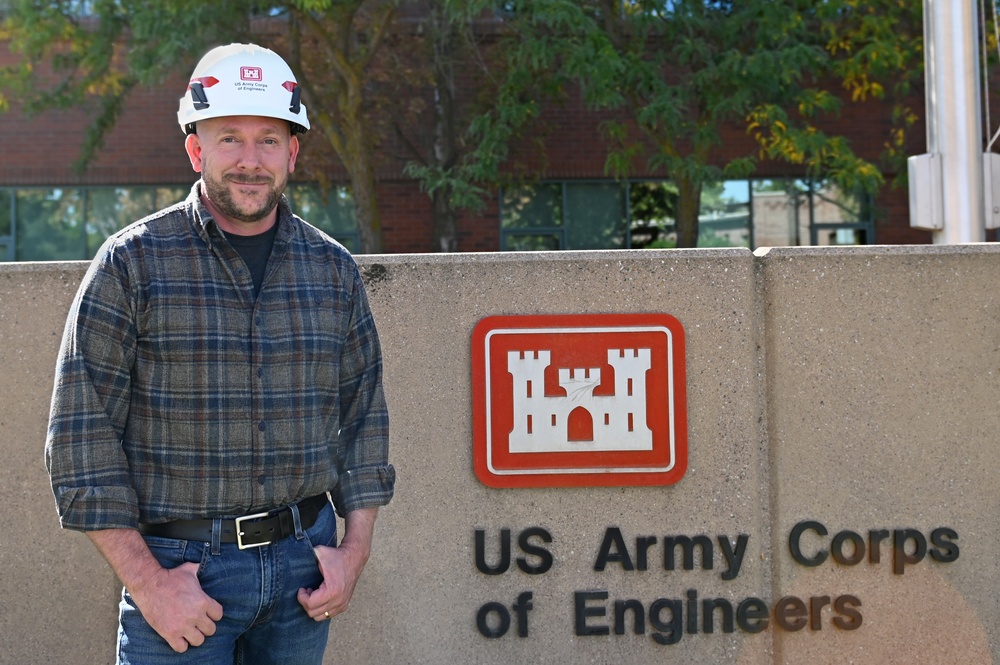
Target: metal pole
<point>954,129</point>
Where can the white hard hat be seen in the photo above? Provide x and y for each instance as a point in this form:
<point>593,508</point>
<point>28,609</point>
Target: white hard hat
<point>242,79</point>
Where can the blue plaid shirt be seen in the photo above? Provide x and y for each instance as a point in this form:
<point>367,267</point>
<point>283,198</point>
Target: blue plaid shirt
<point>179,396</point>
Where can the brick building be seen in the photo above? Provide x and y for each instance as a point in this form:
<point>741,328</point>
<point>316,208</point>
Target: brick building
<point>50,211</point>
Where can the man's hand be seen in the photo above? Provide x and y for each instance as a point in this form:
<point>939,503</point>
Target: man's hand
<point>341,567</point>
<point>171,600</point>
<point>174,605</point>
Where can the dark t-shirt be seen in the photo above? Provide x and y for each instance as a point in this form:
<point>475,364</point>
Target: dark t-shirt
<point>255,250</point>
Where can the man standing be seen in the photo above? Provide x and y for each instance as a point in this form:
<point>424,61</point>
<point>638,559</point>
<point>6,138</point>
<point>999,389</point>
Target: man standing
<point>220,377</point>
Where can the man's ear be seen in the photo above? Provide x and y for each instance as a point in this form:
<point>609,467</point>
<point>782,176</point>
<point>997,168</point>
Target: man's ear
<point>293,152</point>
<point>192,144</point>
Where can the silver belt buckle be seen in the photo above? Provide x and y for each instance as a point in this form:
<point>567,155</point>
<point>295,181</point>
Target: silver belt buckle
<point>239,531</point>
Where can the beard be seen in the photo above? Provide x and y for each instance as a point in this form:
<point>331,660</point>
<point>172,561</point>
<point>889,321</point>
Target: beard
<point>249,212</point>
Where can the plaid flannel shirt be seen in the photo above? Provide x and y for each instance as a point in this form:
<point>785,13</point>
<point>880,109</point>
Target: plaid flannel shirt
<point>179,396</point>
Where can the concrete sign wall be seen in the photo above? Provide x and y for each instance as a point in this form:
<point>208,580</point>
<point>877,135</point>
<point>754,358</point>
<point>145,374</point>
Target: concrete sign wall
<point>838,499</point>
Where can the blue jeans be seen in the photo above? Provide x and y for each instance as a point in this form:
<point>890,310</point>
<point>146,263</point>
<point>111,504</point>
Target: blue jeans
<point>262,623</point>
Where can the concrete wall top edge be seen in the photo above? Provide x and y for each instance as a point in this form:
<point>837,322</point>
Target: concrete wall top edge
<point>576,255</point>
<point>42,266</point>
<point>582,255</point>
<point>461,257</point>
<point>877,250</point>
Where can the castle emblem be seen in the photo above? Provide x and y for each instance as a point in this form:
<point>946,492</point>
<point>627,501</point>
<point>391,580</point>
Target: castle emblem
<point>579,400</point>
<point>580,420</point>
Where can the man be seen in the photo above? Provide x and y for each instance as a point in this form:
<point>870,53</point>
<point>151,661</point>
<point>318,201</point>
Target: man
<point>220,374</point>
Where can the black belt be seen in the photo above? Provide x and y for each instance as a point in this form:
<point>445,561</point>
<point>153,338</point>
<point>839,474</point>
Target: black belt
<point>248,531</point>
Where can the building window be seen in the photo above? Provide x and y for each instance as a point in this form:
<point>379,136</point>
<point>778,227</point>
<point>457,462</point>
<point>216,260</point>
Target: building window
<point>112,208</point>
<point>330,211</point>
<point>799,212</point>
<point>734,213</point>
<point>70,224</point>
<point>551,216</point>
<point>6,226</point>
<point>56,231</point>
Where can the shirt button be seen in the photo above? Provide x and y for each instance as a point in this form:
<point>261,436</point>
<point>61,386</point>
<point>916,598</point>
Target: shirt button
<point>261,426</point>
<point>261,479</point>
<point>260,371</point>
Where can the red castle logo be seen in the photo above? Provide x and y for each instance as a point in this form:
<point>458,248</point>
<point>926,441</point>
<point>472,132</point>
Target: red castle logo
<point>579,400</point>
<point>251,74</point>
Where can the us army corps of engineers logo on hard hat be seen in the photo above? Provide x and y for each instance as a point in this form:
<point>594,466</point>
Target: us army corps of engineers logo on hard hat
<point>579,400</point>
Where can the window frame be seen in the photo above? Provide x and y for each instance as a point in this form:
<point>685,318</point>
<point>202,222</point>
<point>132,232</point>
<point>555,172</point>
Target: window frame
<point>561,232</point>
<point>161,195</point>
<point>10,240</point>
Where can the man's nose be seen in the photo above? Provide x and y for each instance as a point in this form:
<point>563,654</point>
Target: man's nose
<point>249,156</point>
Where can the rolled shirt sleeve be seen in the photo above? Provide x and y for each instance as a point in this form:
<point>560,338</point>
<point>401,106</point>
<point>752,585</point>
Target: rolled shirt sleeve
<point>366,478</point>
<point>90,404</point>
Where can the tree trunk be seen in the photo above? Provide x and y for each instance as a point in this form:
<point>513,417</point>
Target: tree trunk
<point>359,162</point>
<point>336,108</point>
<point>445,148</point>
<point>688,207</point>
<point>445,222</point>
<point>366,208</point>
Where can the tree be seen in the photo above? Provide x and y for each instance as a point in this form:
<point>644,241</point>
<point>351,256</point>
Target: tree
<point>472,145</point>
<point>682,71</point>
<point>461,161</point>
<point>435,54</point>
<point>877,50</point>
<point>80,52</point>
<point>444,39</point>
<point>674,73</point>
<point>334,45</point>
<point>102,49</point>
